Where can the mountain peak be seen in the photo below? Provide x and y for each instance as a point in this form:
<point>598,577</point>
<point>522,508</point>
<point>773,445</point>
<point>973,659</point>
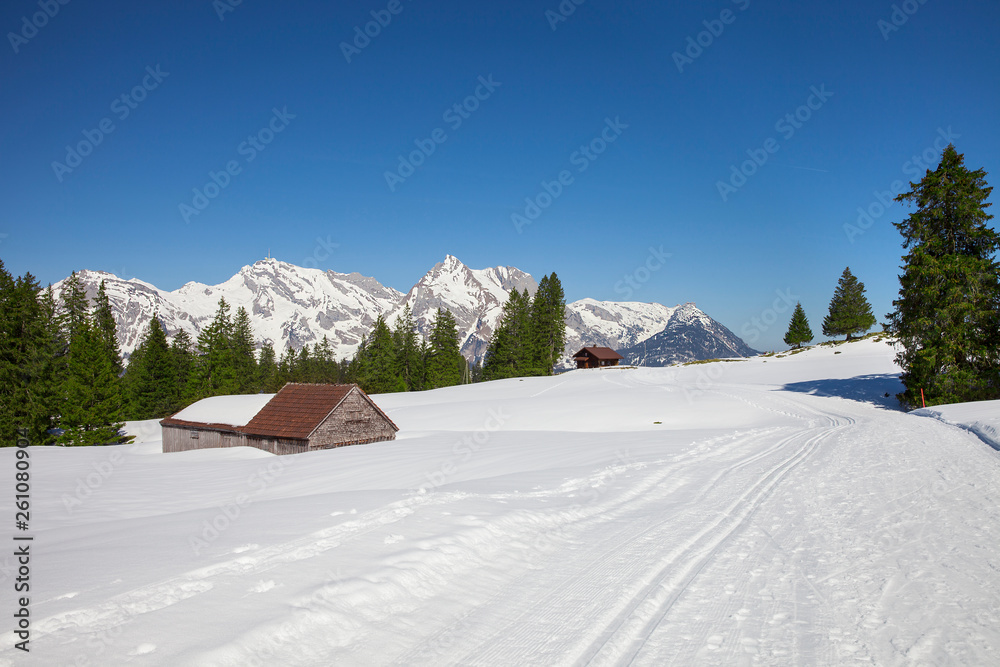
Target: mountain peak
<point>291,306</point>
<point>451,263</point>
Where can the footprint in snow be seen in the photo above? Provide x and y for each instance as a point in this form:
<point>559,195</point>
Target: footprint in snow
<point>392,539</point>
<point>714,643</point>
<point>262,586</point>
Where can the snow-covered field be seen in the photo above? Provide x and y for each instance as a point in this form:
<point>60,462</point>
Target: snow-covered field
<point>770,511</point>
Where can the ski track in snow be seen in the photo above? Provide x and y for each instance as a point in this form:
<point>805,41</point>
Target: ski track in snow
<point>825,531</point>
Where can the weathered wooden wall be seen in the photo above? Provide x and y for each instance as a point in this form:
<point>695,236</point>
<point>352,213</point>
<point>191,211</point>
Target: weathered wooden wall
<point>277,445</point>
<point>177,439</point>
<point>355,422</point>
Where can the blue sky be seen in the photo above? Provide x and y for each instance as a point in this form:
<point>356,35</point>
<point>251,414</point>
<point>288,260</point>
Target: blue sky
<point>300,132</point>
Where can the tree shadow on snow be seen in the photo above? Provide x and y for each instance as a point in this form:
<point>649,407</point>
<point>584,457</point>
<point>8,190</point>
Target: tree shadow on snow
<point>878,390</point>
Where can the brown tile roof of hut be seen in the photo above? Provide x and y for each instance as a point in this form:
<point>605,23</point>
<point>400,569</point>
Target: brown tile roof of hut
<point>601,353</point>
<point>595,357</point>
<point>299,418</point>
<point>297,409</point>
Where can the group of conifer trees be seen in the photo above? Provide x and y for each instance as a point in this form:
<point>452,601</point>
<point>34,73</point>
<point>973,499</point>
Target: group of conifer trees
<point>850,313</point>
<point>63,380</point>
<point>162,377</point>
<point>946,321</point>
<point>530,335</point>
<point>59,365</point>
<point>398,359</point>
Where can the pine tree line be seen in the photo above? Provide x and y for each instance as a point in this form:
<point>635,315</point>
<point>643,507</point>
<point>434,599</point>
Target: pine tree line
<point>530,335</point>
<point>59,365</point>
<point>162,377</point>
<point>63,380</point>
<point>398,360</point>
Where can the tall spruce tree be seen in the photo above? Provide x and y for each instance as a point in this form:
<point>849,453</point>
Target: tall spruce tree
<point>104,321</point>
<point>947,316</point>
<point>267,370</point>
<point>798,328</point>
<point>548,325</point>
<point>75,309</point>
<point>31,348</point>
<point>305,365</point>
<point>216,372</point>
<point>405,338</point>
<point>182,351</point>
<point>288,368</point>
<point>850,313</point>
<point>327,370</point>
<point>92,407</point>
<point>378,372</point>
<point>445,365</point>
<point>510,352</point>
<point>243,350</point>
<point>152,375</point>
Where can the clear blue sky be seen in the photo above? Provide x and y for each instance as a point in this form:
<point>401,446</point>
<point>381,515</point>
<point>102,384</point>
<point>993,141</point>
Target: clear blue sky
<point>323,175</point>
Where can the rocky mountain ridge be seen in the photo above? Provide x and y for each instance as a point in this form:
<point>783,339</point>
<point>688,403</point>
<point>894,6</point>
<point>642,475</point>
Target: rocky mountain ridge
<point>294,306</point>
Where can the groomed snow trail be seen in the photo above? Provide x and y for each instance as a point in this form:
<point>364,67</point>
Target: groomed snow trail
<point>756,525</point>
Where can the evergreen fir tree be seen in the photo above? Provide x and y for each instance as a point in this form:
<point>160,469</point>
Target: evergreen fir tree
<point>182,352</point>
<point>242,345</point>
<point>267,370</point>
<point>850,313</point>
<point>505,356</point>
<point>324,366</point>
<point>378,371</point>
<point>445,365</point>
<point>104,320</point>
<point>548,325</point>
<point>10,386</point>
<point>420,381</point>
<point>75,314</point>
<point>405,339</point>
<point>30,350</point>
<point>947,316</point>
<point>216,368</point>
<point>305,366</point>
<point>152,384</point>
<point>92,412</point>
<point>798,329</point>
<point>288,367</point>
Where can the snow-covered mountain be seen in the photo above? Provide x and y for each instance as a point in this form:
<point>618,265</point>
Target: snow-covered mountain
<point>688,335</point>
<point>475,298</point>
<point>294,306</point>
<point>612,324</point>
<point>287,304</point>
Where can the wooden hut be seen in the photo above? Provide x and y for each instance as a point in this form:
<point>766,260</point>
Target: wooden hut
<point>299,418</point>
<point>596,357</point>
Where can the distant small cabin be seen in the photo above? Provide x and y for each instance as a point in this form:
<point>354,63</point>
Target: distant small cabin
<point>299,418</point>
<point>596,357</point>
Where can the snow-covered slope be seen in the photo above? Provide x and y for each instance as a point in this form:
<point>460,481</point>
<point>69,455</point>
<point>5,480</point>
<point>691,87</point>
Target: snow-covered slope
<point>980,417</point>
<point>295,306</point>
<point>766,511</point>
